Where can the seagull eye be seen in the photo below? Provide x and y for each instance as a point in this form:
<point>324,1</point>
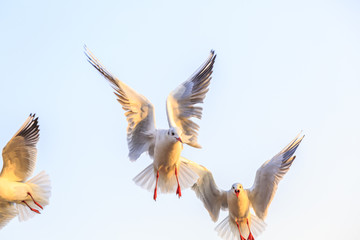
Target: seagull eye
<point>172,133</point>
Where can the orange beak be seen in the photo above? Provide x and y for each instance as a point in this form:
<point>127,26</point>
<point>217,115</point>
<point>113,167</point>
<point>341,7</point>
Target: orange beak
<point>237,192</point>
<point>179,139</point>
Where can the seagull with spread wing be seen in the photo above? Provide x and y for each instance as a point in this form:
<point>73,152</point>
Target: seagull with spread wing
<point>241,223</point>
<point>18,196</point>
<point>168,171</point>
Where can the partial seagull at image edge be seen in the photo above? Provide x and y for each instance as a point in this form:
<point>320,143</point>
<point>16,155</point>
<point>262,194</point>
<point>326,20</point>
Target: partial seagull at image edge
<point>18,196</point>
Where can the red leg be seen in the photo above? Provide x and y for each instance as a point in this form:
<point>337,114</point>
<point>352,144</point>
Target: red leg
<point>32,209</point>
<point>155,191</point>
<point>241,237</point>
<point>35,201</point>
<point>178,190</point>
<point>250,237</point>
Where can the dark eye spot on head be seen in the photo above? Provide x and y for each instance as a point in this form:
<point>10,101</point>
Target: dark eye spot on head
<point>172,133</point>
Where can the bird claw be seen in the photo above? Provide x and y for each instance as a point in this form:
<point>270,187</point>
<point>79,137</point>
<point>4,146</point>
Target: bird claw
<point>155,194</point>
<point>250,237</point>
<point>178,191</point>
<point>34,210</point>
<point>156,184</point>
<point>37,204</point>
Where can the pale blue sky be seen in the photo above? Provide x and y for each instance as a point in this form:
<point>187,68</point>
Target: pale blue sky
<point>282,66</point>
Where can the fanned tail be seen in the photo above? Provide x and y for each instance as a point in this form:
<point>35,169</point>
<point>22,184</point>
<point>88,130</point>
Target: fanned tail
<point>7,212</point>
<point>40,190</point>
<point>146,178</point>
<point>227,229</point>
<point>257,225</point>
<point>167,181</point>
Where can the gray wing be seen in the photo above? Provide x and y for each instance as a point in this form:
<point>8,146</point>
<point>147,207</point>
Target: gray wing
<point>7,212</point>
<point>207,191</point>
<point>139,112</point>
<point>180,104</point>
<point>268,177</point>
<point>19,154</point>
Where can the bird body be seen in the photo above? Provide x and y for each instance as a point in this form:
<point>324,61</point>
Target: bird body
<point>169,171</point>
<point>166,152</point>
<point>13,191</point>
<point>239,207</point>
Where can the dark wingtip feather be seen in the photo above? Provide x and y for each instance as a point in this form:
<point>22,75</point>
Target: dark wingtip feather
<point>31,130</point>
<point>213,57</point>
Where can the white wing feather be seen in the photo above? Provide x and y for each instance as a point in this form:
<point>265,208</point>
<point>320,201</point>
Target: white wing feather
<point>207,191</point>
<point>180,104</point>
<point>139,112</point>
<point>19,154</point>
<point>7,212</point>
<point>268,177</point>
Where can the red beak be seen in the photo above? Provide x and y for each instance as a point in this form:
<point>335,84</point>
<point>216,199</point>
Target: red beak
<point>179,139</point>
<point>237,192</point>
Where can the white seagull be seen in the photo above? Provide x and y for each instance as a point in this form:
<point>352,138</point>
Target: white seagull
<point>18,196</point>
<point>168,171</point>
<point>241,223</point>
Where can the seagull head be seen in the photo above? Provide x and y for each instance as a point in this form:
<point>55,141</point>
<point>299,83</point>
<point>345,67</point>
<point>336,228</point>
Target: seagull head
<point>237,188</point>
<point>174,134</point>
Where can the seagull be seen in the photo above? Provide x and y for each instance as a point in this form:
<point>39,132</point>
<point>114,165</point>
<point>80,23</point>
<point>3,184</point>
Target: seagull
<point>169,170</point>
<point>18,196</point>
<point>241,222</point>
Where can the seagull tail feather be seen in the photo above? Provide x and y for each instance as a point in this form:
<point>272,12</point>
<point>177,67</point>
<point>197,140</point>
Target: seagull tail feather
<point>227,229</point>
<point>146,179</point>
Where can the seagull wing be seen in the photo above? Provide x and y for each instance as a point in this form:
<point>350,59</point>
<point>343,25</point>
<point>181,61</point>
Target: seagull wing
<point>19,154</point>
<point>208,192</point>
<point>268,177</point>
<point>139,112</point>
<point>7,212</point>
<point>180,104</point>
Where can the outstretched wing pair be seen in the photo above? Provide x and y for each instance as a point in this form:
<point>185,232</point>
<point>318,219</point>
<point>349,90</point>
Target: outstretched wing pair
<point>180,105</point>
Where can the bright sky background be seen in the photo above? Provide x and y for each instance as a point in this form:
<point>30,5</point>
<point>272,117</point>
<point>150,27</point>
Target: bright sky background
<point>282,67</point>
